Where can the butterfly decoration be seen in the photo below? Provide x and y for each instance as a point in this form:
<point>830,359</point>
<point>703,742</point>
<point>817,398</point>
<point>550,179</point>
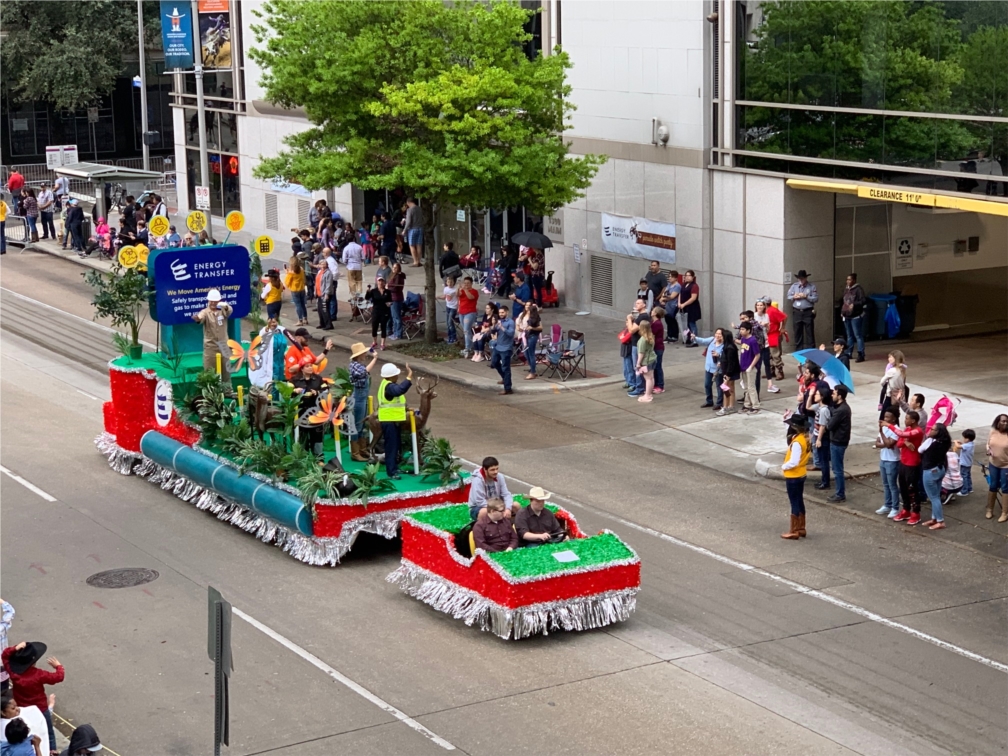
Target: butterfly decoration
<point>327,412</point>
<point>239,354</point>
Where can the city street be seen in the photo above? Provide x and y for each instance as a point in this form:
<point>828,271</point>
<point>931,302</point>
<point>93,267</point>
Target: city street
<point>863,638</point>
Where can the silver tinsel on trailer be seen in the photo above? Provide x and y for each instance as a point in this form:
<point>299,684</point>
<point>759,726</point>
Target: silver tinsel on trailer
<point>315,550</point>
<point>582,613</point>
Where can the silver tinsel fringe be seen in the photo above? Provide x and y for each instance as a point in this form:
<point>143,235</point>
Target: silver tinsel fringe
<point>314,550</point>
<point>583,613</point>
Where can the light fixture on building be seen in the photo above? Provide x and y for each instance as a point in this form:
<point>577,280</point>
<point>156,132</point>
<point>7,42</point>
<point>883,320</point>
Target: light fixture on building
<point>659,133</point>
<point>712,18</point>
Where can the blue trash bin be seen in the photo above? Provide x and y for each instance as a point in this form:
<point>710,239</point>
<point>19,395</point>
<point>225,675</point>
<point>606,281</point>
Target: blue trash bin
<point>880,303</point>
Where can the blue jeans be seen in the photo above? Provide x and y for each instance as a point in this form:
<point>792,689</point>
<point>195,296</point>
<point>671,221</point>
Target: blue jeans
<point>531,340</point>
<point>32,228</point>
<point>52,733</point>
<point>468,321</point>
<point>796,494</point>
<point>836,456</point>
<point>3,236</point>
<point>397,319</point>
<point>450,316</point>
<point>998,478</point>
<point>628,372</point>
<point>659,374</point>
<point>501,362</point>
<point>890,483</point>
<point>816,461</point>
<point>360,396</point>
<point>967,476</point>
<point>637,384</point>
<point>273,309</point>
<point>300,304</point>
<point>855,330</point>
<point>48,227</point>
<point>932,487</point>
<point>708,384</point>
<point>333,307</point>
<point>824,462</point>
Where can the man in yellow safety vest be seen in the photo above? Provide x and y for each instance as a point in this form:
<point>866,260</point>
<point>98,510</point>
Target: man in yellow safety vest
<point>392,412</point>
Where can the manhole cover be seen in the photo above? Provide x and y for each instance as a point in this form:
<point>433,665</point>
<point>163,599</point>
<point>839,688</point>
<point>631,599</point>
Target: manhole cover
<point>123,578</point>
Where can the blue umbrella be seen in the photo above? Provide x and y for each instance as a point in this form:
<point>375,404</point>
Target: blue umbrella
<point>829,364</point>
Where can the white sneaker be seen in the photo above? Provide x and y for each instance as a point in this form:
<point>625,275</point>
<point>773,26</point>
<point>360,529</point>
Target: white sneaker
<point>883,510</point>
<point>773,389</point>
<point>893,513</point>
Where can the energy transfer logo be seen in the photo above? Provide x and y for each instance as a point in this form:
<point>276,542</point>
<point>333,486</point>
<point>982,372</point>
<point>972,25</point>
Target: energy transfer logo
<point>178,269</point>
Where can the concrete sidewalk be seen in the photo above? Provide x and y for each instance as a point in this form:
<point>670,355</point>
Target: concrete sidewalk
<point>675,424</point>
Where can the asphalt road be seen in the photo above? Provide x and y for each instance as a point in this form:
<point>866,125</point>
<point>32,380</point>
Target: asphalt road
<point>860,639</point>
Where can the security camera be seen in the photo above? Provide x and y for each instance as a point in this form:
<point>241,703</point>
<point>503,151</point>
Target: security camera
<point>663,134</point>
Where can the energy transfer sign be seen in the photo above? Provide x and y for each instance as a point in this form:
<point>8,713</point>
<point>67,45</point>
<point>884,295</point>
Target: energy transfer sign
<point>183,276</point>
<point>639,237</point>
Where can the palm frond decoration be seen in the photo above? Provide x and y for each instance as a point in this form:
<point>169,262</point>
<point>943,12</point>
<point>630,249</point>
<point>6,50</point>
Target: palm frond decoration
<point>439,460</point>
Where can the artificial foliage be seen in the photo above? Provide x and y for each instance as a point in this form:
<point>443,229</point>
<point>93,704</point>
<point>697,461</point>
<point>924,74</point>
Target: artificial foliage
<point>449,519</point>
<point>368,483</point>
<point>438,460</point>
<point>539,560</point>
<point>437,97</point>
<point>122,296</point>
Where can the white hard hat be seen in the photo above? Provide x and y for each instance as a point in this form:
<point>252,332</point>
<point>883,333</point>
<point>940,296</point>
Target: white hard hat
<point>389,370</point>
<point>213,295</point>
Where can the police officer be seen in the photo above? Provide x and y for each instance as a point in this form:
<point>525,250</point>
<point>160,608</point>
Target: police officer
<point>392,412</point>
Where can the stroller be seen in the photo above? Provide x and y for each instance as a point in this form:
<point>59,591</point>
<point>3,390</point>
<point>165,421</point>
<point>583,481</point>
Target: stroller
<point>494,279</point>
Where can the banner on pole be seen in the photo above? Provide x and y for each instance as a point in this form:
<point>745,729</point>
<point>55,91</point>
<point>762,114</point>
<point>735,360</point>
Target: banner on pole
<point>639,237</point>
<point>215,33</point>
<point>177,34</point>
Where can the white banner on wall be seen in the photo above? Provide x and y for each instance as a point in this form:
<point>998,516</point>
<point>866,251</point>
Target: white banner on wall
<point>639,237</point>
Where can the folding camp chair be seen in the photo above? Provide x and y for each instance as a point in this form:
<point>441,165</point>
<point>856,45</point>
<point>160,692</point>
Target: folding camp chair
<point>360,308</point>
<point>571,359</point>
<point>414,320</point>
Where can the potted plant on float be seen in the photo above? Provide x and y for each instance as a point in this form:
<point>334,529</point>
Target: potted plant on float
<point>122,296</point>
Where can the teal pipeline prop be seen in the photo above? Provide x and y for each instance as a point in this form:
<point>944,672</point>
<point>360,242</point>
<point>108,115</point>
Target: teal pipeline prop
<point>257,495</point>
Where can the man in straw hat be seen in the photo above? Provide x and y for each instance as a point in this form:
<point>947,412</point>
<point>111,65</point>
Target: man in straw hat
<point>535,524</point>
<point>362,362</point>
<point>391,412</point>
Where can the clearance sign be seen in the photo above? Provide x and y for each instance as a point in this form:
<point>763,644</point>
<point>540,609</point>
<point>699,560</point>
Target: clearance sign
<point>897,195</point>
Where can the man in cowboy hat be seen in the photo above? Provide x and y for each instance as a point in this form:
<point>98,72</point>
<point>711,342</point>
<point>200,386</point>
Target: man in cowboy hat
<point>391,412</point>
<point>28,681</point>
<point>362,362</point>
<point>803,297</point>
<point>535,524</point>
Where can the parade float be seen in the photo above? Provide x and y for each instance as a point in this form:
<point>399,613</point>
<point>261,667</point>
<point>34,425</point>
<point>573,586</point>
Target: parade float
<point>236,439</point>
<point>217,440</point>
<point>580,583</point>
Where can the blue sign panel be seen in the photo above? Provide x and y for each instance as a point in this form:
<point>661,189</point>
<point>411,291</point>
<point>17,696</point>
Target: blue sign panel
<point>183,276</point>
<point>177,34</point>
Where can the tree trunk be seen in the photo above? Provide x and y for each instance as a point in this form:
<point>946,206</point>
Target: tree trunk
<point>430,213</point>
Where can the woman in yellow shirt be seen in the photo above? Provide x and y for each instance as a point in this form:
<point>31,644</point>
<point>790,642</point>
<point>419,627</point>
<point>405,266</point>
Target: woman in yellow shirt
<point>295,282</point>
<point>272,294</point>
<point>795,469</point>
<point>3,224</point>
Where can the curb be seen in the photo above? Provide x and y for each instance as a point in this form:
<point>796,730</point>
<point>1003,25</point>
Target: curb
<point>442,370</point>
<point>772,470</point>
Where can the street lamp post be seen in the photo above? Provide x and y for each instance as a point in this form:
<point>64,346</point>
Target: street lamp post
<point>201,112</point>
<point>143,87</point>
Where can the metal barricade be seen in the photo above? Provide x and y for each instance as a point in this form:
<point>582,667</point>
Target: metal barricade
<point>16,229</point>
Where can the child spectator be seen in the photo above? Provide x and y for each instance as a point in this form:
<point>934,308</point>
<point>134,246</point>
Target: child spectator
<point>910,467</point>
<point>749,363</point>
<point>889,458</point>
<point>643,292</point>
<point>893,383</point>
<point>20,741</point>
<point>952,482</point>
<point>966,461</point>
<point>451,307</point>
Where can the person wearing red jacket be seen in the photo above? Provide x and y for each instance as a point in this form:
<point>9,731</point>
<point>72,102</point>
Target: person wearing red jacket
<point>774,327</point>
<point>28,681</point>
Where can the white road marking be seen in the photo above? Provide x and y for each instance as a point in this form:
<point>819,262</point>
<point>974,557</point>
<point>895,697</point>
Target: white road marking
<point>798,587</point>
<point>101,326</point>
<point>27,484</point>
<point>89,396</point>
<point>344,680</point>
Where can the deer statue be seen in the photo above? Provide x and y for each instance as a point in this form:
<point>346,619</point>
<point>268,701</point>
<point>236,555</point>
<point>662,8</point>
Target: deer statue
<point>427,395</point>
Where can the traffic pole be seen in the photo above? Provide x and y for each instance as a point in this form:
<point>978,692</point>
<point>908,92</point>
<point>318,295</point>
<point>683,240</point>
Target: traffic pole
<point>143,87</point>
<point>201,113</point>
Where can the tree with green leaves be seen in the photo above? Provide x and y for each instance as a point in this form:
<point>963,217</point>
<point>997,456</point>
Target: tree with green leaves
<point>69,54</point>
<point>857,54</point>
<point>438,98</point>
<point>122,296</point>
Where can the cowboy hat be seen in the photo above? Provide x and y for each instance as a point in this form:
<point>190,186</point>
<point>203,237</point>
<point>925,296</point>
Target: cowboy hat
<point>21,660</point>
<point>84,737</point>
<point>801,274</point>
<point>540,494</point>
<point>798,422</point>
<point>389,370</point>
<point>356,350</point>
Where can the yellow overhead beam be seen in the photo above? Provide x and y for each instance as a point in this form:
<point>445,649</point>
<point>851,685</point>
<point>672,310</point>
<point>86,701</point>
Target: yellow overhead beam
<point>904,195</point>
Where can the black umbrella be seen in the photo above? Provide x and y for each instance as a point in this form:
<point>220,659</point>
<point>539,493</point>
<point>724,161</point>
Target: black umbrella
<point>532,239</point>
